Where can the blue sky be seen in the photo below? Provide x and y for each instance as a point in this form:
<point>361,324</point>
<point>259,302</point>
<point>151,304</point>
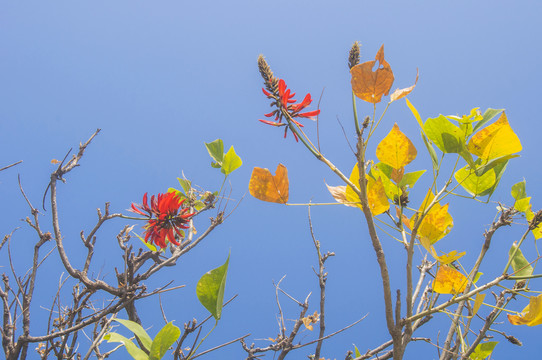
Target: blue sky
<point>162,78</point>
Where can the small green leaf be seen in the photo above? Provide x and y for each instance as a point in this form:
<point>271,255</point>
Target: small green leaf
<point>409,179</point>
<point>520,265</point>
<point>186,185</point>
<point>477,277</point>
<point>432,153</point>
<point>490,165</point>
<point>163,340</point>
<point>487,116</point>
<point>483,350</point>
<point>149,246</point>
<point>132,349</point>
<point>356,351</point>
<point>180,194</point>
<point>138,331</point>
<point>231,162</point>
<point>198,205</point>
<point>445,135</point>
<point>518,190</point>
<point>210,289</point>
<point>216,151</point>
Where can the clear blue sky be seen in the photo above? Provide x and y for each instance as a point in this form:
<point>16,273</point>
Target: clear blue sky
<point>161,78</point>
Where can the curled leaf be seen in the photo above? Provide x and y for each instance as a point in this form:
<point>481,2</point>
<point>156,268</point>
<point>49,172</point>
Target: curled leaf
<point>267,187</point>
<point>311,319</point>
<point>401,93</point>
<point>339,194</point>
<point>370,85</point>
<point>531,315</point>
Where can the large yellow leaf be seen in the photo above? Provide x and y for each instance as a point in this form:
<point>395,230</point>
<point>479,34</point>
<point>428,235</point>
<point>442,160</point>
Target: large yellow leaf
<point>264,186</point>
<point>449,281</point>
<point>376,194</point>
<point>396,150</point>
<point>370,85</point>
<point>531,315</point>
<point>436,224</point>
<point>496,140</point>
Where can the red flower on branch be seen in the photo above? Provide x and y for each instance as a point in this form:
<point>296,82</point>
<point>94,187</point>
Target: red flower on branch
<point>166,218</point>
<point>286,105</point>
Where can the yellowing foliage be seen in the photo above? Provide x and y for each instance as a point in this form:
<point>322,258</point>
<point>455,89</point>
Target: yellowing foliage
<point>531,315</point>
<point>496,140</point>
<point>396,150</point>
<point>267,187</point>
<point>449,281</point>
<point>436,224</point>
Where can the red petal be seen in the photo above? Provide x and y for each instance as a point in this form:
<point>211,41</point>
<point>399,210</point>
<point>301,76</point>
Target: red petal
<point>272,123</point>
<point>266,92</point>
<point>282,87</point>
<point>309,114</point>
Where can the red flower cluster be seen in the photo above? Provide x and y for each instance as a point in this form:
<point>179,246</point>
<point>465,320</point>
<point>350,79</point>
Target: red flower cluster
<point>166,215</point>
<point>285,103</point>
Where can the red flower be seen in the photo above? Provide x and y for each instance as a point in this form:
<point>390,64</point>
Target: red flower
<point>286,104</point>
<point>166,216</point>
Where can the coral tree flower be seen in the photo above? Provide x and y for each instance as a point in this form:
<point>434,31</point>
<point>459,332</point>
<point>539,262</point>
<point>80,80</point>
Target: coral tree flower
<point>166,216</point>
<point>286,105</point>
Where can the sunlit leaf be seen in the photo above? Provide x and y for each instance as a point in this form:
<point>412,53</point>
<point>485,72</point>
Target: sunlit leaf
<point>493,163</point>
<point>401,93</point>
<point>437,223</point>
<point>488,115</point>
<point>231,162</point>
<point>216,151</point>
<point>149,246</point>
<point>519,190</point>
<point>186,185</point>
<point>370,85</point>
<point>378,201</point>
<point>210,289</point>
<point>531,315</point>
<point>354,178</point>
<point>356,351</point>
<point>521,266</point>
<point>267,187</point>
<point>138,331</point>
<point>135,352</point>
<point>410,179</point>
<point>449,281</point>
<point>483,350</point>
<point>163,341</point>
<point>339,194</point>
<point>396,150</point>
<point>380,171</point>
<point>473,184</point>
<point>478,300</point>
<point>311,319</point>
<point>445,135</point>
<point>496,140</point>
<point>449,257</point>
<point>537,232</point>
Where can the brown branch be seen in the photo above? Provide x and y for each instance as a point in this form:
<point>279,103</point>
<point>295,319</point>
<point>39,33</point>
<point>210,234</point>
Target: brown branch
<point>7,167</point>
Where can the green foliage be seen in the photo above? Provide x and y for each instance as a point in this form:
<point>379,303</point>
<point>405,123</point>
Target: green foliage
<point>210,289</point>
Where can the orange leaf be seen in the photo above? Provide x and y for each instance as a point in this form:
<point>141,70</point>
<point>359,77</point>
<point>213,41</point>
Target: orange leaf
<point>311,319</point>
<point>55,161</point>
<point>531,315</point>
<point>397,175</point>
<point>396,150</point>
<point>267,187</point>
<point>449,281</point>
<point>401,93</point>
<point>370,85</point>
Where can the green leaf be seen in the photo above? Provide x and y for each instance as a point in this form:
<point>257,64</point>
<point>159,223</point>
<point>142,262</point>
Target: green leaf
<point>499,170</point>
<point>163,340</point>
<point>356,351</point>
<point>483,350</point>
<point>445,135</point>
<point>231,162</point>
<point>179,193</point>
<point>490,165</point>
<point>486,117</point>
<point>474,184</point>
<point>390,188</point>
<point>149,246</point>
<point>522,205</point>
<point>132,349</point>
<point>186,185</point>
<point>520,265</point>
<point>432,153</point>
<point>138,331</point>
<point>216,151</point>
<point>519,191</point>
<point>409,179</point>
<point>477,277</point>
<point>210,289</point>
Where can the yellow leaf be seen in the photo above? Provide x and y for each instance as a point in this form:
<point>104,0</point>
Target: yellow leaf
<point>370,85</point>
<point>397,175</point>
<point>449,257</point>
<point>449,281</point>
<point>531,315</point>
<point>396,150</point>
<point>537,231</point>
<point>378,201</point>
<point>477,303</point>
<point>436,224</point>
<point>311,319</point>
<point>339,194</point>
<point>496,140</point>
<point>267,187</point>
<point>376,194</point>
<point>401,93</point>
